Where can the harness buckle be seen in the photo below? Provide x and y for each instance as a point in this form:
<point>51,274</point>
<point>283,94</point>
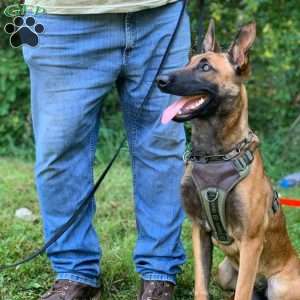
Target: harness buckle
<point>249,156</point>
<point>212,194</point>
<point>240,164</point>
<point>232,154</point>
<point>275,202</point>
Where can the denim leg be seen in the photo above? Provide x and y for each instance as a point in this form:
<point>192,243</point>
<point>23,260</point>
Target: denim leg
<point>76,63</point>
<point>156,149</point>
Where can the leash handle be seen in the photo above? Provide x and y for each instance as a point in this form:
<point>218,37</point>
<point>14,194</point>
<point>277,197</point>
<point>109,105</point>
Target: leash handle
<point>82,207</point>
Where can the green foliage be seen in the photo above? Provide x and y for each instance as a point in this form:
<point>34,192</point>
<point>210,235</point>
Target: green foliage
<point>273,89</point>
<point>15,128</point>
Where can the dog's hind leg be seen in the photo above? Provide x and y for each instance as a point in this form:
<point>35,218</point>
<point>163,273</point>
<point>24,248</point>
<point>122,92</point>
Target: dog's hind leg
<point>202,246</point>
<point>285,285</point>
<point>227,279</point>
<point>227,275</point>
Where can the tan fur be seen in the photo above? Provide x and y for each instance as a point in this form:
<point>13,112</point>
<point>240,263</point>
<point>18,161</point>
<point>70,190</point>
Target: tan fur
<point>200,291</point>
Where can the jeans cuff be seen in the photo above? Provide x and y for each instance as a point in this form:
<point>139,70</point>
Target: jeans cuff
<point>78,278</point>
<point>159,277</point>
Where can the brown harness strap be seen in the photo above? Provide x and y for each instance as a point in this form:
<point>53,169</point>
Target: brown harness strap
<point>215,176</point>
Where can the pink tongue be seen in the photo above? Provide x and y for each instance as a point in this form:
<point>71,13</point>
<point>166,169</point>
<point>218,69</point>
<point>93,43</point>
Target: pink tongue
<point>171,111</point>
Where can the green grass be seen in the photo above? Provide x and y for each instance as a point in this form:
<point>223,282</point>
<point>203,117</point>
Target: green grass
<point>115,223</point>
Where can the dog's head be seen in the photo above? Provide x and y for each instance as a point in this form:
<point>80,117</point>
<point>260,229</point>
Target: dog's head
<point>211,83</point>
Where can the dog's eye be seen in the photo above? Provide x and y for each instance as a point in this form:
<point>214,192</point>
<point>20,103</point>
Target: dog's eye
<point>205,67</point>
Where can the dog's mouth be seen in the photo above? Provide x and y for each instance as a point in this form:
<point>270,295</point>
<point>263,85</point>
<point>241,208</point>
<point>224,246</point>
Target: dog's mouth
<point>186,108</point>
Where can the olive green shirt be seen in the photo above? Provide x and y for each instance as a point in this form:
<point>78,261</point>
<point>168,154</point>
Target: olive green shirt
<point>95,6</point>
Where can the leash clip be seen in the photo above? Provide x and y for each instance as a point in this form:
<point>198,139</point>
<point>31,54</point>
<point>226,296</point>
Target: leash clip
<point>186,156</point>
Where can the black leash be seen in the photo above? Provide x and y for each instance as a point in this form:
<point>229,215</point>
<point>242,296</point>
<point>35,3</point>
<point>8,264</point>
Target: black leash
<point>81,209</point>
<point>60,231</point>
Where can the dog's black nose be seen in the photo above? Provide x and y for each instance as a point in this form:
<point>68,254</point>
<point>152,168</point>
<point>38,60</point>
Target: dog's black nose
<point>163,80</point>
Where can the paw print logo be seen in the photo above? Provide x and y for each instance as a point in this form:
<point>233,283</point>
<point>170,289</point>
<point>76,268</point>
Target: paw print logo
<point>24,32</point>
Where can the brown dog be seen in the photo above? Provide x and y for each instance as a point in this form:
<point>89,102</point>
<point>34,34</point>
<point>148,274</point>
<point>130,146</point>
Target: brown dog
<point>225,190</point>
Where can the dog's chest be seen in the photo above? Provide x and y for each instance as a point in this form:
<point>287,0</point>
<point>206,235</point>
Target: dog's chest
<point>210,198</point>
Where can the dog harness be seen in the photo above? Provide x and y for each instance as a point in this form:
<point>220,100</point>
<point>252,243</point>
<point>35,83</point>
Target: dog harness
<point>216,175</point>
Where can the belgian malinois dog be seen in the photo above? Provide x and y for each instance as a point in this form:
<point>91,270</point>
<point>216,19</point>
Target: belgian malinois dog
<point>252,231</point>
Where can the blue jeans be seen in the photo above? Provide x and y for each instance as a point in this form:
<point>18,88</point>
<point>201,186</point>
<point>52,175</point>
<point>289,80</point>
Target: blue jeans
<point>78,60</point>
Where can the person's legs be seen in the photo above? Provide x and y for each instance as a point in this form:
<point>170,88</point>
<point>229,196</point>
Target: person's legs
<point>156,149</point>
<point>75,65</point>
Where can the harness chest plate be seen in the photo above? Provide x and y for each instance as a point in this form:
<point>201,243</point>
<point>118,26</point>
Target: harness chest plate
<point>214,180</point>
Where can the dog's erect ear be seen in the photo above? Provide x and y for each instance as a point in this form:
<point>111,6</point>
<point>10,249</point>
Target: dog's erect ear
<point>239,49</point>
<point>209,42</point>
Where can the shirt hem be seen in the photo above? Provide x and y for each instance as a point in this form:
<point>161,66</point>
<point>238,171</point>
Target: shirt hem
<point>101,9</point>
